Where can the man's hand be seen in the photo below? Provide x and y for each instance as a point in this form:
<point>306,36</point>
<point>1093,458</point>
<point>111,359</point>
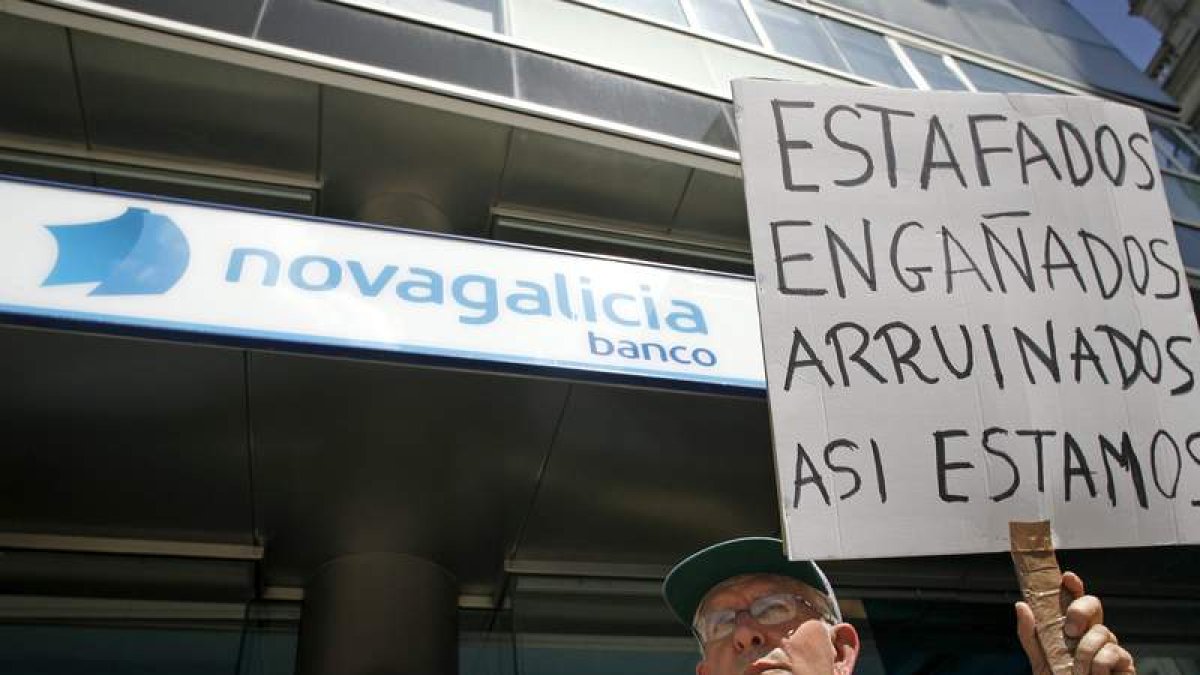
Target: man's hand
<point>1096,651</point>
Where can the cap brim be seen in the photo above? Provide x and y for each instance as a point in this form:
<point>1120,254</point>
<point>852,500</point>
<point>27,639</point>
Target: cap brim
<point>691,579</point>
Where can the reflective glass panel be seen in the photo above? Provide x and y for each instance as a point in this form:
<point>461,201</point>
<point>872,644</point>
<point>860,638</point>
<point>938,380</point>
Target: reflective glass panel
<point>1183,196</point>
<point>481,14</point>
<point>1172,151</point>
<point>663,10</point>
<point>724,17</point>
<point>869,54</point>
<point>1162,147</point>
<point>797,33</point>
<point>1189,245</point>
<point>1190,134</point>
<point>986,79</point>
<point>599,93</point>
<point>933,67</point>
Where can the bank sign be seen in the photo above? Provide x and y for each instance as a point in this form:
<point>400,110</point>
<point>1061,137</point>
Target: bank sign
<point>127,261</point>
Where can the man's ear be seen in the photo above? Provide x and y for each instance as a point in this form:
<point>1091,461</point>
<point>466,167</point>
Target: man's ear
<point>846,646</point>
<point>702,667</point>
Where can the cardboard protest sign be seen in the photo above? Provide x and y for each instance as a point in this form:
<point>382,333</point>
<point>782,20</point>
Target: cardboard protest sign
<point>973,311</point>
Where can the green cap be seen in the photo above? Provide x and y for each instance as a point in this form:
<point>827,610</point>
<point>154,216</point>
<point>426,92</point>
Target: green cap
<point>694,576</point>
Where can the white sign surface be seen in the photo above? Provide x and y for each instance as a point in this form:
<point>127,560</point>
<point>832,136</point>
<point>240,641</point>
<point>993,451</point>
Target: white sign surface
<point>116,259</point>
<point>974,311</point>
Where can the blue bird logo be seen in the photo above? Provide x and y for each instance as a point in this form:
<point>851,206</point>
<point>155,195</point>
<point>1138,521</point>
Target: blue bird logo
<point>137,253</point>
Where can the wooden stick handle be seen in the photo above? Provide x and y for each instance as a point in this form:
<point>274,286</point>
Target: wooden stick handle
<point>1041,586</point>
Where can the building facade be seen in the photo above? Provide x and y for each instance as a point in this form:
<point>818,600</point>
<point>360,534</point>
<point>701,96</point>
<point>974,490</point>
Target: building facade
<point>1174,63</point>
<point>179,499</point>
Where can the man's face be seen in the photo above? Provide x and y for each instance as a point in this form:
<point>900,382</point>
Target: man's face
<point>802,646</point>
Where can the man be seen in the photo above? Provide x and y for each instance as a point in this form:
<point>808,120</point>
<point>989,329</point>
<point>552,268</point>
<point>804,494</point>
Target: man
<point>757,613</point>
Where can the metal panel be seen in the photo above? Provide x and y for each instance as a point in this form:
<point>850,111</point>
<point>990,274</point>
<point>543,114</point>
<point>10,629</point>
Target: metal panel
<point>116,576</point>
<point>714,207</point>
<point>643,477</point>
<point>284,201</point>
<point>231,16</point>
<point>122,438</point>
<point>39,83</point>
<point>43,172</point>
<point>626,100</point>
<point>561,174</point>
<point>359,457</point>
<point>153,101</point>
<point>587,34</point>
<point>397,164</point>
<point>380,40</point>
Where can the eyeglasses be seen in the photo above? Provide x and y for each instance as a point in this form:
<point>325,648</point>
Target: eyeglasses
<point>769,610</point>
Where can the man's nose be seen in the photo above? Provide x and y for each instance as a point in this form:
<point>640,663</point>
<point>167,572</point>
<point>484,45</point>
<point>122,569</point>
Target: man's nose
<point>748,634</point>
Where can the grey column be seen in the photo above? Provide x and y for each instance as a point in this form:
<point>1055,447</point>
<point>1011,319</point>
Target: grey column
<point>379,614</point>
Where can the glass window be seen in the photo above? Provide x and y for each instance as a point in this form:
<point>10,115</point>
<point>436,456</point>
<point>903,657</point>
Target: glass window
<point>797,33</point>
<point>191,648</point>
<point>1183,196</point>
<point>1172,151</point>
<point>986,79</point>
<point>724,17</point>
<point>663,10</point>
<point>934,69</point>
<point>869,54</point>
<point>1189,245</point>
<point>481,14</point>
<point>1189,134</point>
<point>1163,144</point>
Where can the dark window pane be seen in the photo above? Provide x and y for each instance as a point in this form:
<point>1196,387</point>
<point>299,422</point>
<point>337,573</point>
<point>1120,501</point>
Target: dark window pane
<point>933,67</point>
<point>379,40</point>
<point>724,17</point>
<point>869,54</point>
<point>232,16</point>
<point>797,33</point>
<point>569,86</point>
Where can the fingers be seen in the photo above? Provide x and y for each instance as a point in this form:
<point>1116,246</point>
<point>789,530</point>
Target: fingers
<point>1083,613</point>
<point>1096,652</point>
<point>1073,584</point>
<point>1027,634</point>
<point>1110,659</point>
<point>1113,659</point>
<point>1090,646</point>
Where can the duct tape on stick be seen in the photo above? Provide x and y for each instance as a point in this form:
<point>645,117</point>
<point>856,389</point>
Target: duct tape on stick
<point>1041,586</point>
